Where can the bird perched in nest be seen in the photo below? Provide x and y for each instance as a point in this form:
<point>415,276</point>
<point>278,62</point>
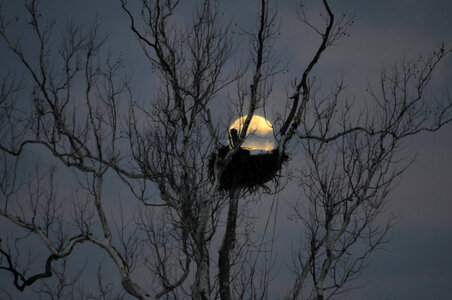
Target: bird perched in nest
<point>245,171</point>
<point>233,137</point>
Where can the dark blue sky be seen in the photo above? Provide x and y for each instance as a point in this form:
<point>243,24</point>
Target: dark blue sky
<point>417,262</point>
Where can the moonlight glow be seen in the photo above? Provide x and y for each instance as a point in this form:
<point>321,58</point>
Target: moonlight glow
<point>259,134</point>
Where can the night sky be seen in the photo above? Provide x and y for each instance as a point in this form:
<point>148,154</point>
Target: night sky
<point>417,262</point>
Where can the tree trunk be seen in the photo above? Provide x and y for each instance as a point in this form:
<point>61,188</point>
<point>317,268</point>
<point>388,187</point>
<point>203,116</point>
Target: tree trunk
<point>224,263</point>
<point>201,286</point>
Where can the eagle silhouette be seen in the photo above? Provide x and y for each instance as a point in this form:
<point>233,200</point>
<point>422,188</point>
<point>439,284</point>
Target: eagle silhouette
<point>233,137</point>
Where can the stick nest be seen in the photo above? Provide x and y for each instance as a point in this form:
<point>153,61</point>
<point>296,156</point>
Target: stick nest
<point>246,170</point>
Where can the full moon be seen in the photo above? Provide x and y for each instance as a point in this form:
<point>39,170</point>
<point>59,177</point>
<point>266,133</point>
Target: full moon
<point>259,135</point>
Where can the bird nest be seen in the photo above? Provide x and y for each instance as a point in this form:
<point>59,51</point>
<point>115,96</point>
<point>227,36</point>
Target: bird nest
<point>245,170</point>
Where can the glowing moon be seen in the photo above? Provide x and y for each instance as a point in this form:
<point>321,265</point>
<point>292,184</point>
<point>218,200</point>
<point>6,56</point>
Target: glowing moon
<point>259,135</point>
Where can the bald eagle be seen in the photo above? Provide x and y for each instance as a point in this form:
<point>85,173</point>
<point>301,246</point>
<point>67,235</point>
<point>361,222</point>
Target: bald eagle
<point>233,137</point>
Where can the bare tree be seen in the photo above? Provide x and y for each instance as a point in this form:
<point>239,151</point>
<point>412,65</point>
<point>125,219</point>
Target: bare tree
<point>74,102</point>
<point>353,159</point>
